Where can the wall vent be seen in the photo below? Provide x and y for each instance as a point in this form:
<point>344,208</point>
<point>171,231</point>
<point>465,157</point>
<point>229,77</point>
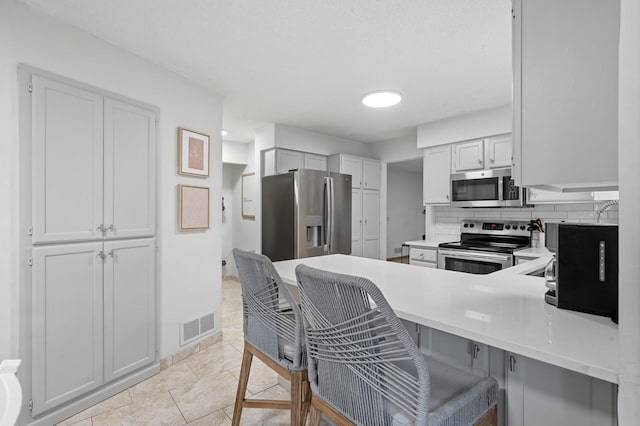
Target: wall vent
<point>194,329</point>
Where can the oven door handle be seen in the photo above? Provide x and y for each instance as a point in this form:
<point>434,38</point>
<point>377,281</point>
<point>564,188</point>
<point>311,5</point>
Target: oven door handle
<point>474,256</point>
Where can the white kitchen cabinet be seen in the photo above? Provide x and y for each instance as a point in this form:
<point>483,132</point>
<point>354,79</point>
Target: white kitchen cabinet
<point>371,224</point>
<point>93,165</point>
<point>356,222</point>
<point>67,323</point>
<point>370,174</point>
<point>315,161</point>
<point>94,316</point>
<point>423,256</point>
<point>537,394</point>
<point>129,306</point>
<point>468,156</point>
<point>437,175</point>
<point>498,151</point>
<point>67,171</point>
<point>542,196</point>
<point>288,160</point>
<point>566,93</point>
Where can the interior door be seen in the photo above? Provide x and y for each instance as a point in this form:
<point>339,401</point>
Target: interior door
<point>67,337</point>
<point>371,224</point>
<point>129,169</point>
<point>67,154</point>
<point>356,222</point>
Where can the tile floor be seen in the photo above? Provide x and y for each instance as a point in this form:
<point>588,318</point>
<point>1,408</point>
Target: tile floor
<point>199,390</point>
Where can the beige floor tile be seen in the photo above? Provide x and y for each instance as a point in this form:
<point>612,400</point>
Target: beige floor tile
<point>173,377</point>
<point>217,358</point>
<point>119,400</point>
<point>265,416</point>
<point>217,418</point>
<point>85,422</point>
<point>207,395</point>
<point>158,409</point>
<point>261,377</point>
<point>232,319</point>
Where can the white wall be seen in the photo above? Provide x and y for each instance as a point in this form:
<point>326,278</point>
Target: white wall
<point>405,220</point>
<point>188,263</point>
<point>400,149</point>
<point>478,124</point>
<point>629,176</point>
<point>305,140</point>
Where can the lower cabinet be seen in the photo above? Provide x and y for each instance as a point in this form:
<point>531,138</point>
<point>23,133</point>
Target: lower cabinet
<point>532,392</point>
<point>423,256</point>
<point>93,318</point>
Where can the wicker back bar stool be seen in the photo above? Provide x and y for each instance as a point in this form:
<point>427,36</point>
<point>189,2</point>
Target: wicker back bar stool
<point>273,332</point>
<point>365,369</point>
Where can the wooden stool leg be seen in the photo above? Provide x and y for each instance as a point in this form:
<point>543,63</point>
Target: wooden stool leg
<point>296,398</point>
<point>314,416</point>
<point>307,399</point>
<point>247,357</point>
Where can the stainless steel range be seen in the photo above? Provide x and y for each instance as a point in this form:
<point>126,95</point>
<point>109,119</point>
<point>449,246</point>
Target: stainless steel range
<point>485,246</point>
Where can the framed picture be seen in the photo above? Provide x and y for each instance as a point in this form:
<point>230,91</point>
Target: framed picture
<point>193,208</point>
<point>248,195</point>
<point>193,153</point>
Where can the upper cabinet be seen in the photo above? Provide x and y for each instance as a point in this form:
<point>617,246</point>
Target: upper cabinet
<point>498,152</point>
<point>437,175</point>
<point>566,93</point>
<point>468,156</point>
<point>278,161</point>
<point>365,172</point>
<point>93,165</point>
<point>490,153</point>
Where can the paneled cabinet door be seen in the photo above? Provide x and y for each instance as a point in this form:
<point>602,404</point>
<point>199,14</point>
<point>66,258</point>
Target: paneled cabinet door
<point>315,161</point>
<point>370,174</point>
<point>352,166</point>
<point>499,151</point>
<point>288,160</point>
<point>129,170</point>
<point>356,222</point>
<point>437,175</point>
<point>468,156</point>
<point>67,162</point>
<point>67,324</point>
<point>371,223</point>
<point>129,306</point>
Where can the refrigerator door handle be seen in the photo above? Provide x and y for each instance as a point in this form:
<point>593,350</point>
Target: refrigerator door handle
<point>327,214</point>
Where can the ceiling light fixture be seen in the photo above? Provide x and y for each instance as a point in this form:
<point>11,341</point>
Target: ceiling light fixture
<point>223,132</point>
<point>381,98</point>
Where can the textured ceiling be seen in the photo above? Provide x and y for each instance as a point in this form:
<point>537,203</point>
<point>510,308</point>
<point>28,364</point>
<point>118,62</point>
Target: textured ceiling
<point>307,63</point>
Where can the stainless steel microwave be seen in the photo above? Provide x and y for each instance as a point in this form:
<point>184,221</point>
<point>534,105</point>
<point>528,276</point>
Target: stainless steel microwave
<point>486,188</point>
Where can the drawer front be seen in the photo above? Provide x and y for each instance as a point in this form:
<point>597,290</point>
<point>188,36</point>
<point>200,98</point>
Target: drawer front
<point>424,255</point>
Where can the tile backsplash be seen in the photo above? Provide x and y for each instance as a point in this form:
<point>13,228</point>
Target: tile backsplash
<point>447,219</point>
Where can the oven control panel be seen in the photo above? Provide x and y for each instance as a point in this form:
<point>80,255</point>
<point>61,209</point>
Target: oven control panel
<point>502,227</point>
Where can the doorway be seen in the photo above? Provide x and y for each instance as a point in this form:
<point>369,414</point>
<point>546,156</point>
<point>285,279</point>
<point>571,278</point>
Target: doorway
<point>405,212</point>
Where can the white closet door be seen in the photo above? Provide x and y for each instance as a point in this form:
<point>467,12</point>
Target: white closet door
<point>129,306</point>
<point>129,170</point>
<point>67,339</point>
<point>67,162</point>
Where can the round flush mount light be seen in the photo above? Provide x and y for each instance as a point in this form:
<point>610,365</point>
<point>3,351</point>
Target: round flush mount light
<point>223,132</point>
<point>381,98</point>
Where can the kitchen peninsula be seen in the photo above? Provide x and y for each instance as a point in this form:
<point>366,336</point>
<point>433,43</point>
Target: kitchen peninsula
<point>555,366</point>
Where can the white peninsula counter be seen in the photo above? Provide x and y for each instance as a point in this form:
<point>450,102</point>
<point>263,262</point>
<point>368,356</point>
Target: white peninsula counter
<point>507,312</point>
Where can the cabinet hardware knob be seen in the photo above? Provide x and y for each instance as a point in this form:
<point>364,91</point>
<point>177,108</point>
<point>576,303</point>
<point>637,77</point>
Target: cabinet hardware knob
<point>101,228</point>
<point>112,228</point>
<point>480,162</point>
<point>512,363</point>
<point>447,196</point>
<point>476,351</point>
<point>101,255</point>
<point>111,254</point>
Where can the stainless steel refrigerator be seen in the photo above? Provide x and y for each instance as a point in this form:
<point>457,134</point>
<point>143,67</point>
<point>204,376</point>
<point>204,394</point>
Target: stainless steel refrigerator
<point>306,213</point>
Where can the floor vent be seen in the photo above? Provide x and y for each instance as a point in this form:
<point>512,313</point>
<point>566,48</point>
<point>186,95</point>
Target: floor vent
<point>192,330</point>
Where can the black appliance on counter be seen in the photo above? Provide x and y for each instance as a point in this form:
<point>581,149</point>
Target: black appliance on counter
<point>583,276</point>
<point>485,246</point>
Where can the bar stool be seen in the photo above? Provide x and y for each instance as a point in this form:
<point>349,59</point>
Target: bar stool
<point>273,332</point>
<point>365,369</point>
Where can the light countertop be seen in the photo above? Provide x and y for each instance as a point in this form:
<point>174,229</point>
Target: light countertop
<point>533,252</point>
<point>428,243</point>
<point>504,310</point>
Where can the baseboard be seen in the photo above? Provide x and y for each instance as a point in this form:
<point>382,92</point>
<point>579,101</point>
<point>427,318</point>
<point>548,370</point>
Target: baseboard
<point>190,350</point>
<point>92,399</point>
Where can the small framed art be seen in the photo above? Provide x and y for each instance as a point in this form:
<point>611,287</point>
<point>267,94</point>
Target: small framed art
<point>193,208</point>
<point>193,153</point>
